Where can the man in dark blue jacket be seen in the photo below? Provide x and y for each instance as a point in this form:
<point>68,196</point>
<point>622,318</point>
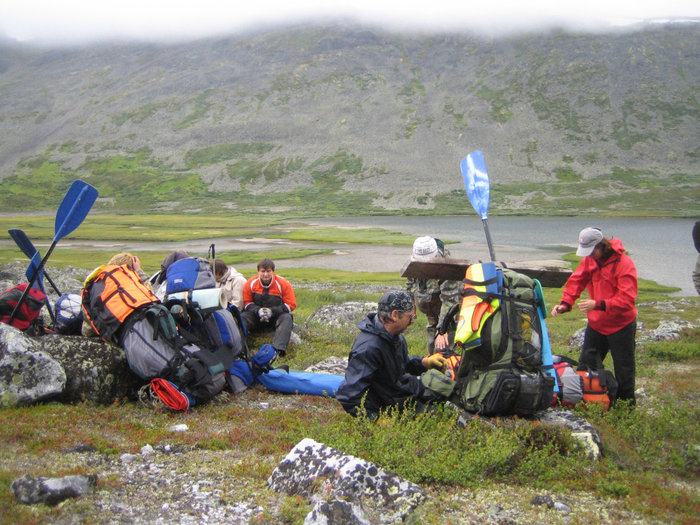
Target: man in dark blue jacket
<point>379,367</point>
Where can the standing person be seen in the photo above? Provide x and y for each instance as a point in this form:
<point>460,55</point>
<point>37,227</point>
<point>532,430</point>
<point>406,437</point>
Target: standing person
<point>268,301</point>
<point>380,372</point>
<point>230,281</point>
<point>696,241</point>
<point>434,297</point>
<point>610,277</point>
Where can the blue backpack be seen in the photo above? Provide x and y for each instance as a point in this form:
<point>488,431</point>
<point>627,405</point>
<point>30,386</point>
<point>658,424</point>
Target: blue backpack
<point>192,273</point>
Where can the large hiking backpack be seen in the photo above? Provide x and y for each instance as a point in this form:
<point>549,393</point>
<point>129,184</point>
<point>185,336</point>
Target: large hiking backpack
<point>110,296</point>
<point>192,273</point>
<point>27,317</point>
<point>500,372</point>
<point>155,349</point>
<point>216,329</point>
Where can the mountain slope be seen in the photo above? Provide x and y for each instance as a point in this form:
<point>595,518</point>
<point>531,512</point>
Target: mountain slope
<point>338,120</point>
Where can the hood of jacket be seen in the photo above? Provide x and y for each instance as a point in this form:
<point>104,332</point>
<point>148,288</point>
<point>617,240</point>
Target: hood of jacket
<point>373,325</point>
<point>617,246</point>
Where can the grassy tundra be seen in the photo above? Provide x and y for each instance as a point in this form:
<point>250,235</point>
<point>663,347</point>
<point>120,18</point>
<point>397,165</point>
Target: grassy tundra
<point>649,470</point>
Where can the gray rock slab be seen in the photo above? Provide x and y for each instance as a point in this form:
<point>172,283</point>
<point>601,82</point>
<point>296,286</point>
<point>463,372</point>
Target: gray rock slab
<point>51,491</point>
<point>316,471</point>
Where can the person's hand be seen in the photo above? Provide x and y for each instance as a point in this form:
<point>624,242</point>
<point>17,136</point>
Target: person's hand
<point>441,341</point>
<point>264,314</point>
<point>586,305</point>
<point>558,309</point>
<point>436,361</point>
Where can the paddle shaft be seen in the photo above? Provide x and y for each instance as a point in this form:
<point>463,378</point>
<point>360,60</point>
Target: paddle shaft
<point>488,239</point>
<point>31,282</point>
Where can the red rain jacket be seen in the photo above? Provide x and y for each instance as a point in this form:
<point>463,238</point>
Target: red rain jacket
<point>612,284</point>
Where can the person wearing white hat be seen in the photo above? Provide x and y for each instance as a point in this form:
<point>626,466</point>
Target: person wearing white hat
<point>434,297</point>
<point>610,277</point>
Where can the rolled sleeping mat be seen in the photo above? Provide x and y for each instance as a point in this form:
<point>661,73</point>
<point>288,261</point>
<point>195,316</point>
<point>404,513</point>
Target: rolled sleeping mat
<point>206,297</point>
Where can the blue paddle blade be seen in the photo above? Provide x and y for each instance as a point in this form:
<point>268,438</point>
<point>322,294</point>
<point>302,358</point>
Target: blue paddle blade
<point>23,242</point>
<point>476,182</point>
<point>74,208</point>
<point>33,266</point>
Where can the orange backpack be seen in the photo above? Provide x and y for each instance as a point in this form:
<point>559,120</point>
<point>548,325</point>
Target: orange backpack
<point>593,386</point>
<point>110,296</point>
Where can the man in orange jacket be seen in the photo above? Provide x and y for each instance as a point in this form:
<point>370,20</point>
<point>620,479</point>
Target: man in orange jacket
<point>610,277</point>
<point>268,301</point>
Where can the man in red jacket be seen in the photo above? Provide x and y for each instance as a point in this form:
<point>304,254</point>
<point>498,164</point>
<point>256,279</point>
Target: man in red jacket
<point>610,278</point>
<point>268,302</point>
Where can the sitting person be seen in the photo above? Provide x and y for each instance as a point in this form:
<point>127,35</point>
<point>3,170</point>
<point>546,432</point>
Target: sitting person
<point>230,281</point>
<point>268,301</point>
<point>379,367</point>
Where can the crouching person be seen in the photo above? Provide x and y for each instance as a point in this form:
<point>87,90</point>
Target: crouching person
<point>380,372</point>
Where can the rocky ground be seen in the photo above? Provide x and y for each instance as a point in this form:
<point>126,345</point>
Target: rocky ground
<point>173,484</point>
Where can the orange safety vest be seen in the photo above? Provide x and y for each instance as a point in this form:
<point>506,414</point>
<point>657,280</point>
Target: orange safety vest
<point>480,280</point>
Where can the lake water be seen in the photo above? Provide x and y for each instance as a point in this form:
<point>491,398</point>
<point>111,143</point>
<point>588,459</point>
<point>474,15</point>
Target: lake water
<point>662,249</point>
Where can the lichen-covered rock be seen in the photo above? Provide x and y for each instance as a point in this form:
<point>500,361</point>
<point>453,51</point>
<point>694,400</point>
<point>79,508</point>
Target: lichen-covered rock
<point>27,375</point>
<point>328,512</point>
<point>96,371</point>
<point>666,331</point>
<point>581,430</point>
<point>342,315</point>
<point>316,471</point>
<point>51,491</point>
<point>330,365</point>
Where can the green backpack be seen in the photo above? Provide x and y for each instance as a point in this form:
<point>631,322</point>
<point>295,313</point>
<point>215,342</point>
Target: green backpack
<point>503,375</point>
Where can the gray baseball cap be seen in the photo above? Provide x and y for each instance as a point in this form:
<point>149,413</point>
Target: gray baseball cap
<point>588,239</point>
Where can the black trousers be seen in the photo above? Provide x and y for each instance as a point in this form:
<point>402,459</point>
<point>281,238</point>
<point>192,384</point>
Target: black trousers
<point>282,325</point>
<point>621,346</point>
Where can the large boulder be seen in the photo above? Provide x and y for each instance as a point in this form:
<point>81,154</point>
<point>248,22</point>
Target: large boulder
<point>62,368</point>
<point>27,374</point>
<point>95,371</point>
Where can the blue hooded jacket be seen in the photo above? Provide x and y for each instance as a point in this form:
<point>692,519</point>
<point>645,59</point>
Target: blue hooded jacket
<point>379,365</point>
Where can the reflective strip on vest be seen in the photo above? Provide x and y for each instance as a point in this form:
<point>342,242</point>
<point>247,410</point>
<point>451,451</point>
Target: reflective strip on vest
<point>479,280</point>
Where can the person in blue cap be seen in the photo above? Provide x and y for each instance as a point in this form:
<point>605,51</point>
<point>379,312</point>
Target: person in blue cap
<point>380,372</point>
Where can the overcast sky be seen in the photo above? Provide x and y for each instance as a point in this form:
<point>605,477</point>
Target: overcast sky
<point>91,20</point>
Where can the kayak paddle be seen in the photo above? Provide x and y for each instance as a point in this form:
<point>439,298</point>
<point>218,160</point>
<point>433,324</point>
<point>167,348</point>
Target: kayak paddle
<point>476,182</point>
<point>74,208</point>
<point>30,250</point>
<point>31,273</point>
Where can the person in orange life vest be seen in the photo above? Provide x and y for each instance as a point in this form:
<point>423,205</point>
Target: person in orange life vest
<point>268,301</point>
<point>134,263</point>
<point>610,277</point>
